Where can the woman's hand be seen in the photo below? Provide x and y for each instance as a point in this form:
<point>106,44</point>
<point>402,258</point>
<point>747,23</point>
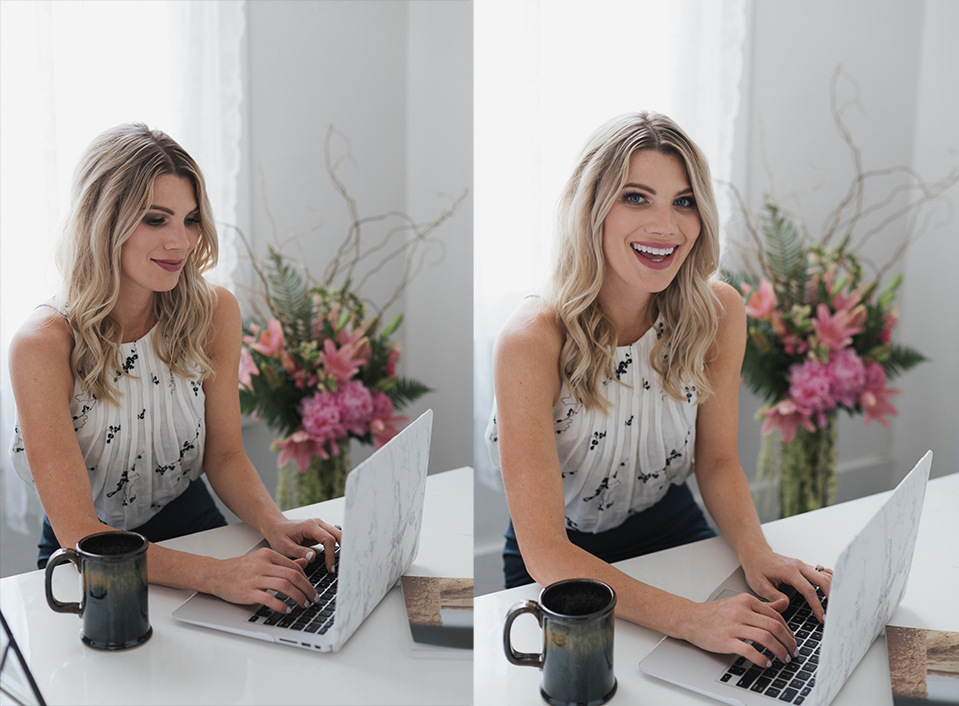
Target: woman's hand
<point>767,571</point>
<point>723,626</point>
<point>246,580</point>
<point>293,538</point>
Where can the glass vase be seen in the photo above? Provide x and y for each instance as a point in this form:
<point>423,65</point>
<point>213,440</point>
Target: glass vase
<point>324,479</point>
<point>803,470</point>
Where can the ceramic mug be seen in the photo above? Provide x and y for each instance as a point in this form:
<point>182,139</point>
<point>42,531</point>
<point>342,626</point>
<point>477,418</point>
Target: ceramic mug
<point>113,589</point>
<point>576,616</point>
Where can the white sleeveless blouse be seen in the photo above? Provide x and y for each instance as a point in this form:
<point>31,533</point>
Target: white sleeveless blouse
<point>619,465</point>
<point>144,453</point>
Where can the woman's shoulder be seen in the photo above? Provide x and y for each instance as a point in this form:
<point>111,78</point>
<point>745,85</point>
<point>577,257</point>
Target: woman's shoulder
<point>533,325</point>
<point>730,305</point>
<point>46,330</point>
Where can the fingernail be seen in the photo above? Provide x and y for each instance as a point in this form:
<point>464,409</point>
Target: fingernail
<point>769,663</point>
<point>309,556</point>
<point>796,652</point>
<point>289,609</point>
<point>306,604</point>
<point>316,598</point>
<point>788,659</point>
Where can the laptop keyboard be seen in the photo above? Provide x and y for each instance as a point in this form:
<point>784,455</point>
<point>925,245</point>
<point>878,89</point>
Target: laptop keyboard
<point>787,682</point>
<point>318,618</point>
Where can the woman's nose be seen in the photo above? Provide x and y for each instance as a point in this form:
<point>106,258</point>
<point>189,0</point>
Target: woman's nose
<point>662,220</point>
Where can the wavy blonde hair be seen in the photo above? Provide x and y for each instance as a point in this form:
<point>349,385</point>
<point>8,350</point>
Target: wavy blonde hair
<point>688,305</point>
<point>112,187</point>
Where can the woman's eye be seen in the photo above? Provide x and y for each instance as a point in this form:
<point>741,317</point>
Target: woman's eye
<point>634,198</point>
<point>152,221</point>
<point>190,222</point>
<point>685,202</point>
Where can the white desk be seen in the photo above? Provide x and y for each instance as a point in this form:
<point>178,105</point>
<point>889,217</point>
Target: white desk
<point>182,664</point>
<point>695,569</point>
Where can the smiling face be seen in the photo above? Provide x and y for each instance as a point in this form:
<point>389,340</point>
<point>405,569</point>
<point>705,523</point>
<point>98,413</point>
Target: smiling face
<point>649,230</point>
<point>153,256</point>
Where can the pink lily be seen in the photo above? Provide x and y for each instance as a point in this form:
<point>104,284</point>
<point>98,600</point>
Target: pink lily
<point>269,342</point>
<point>875,398</point>
<point>835,331</point>
<point>787,417</point>
<point>247,368</point>
<point>383,426</point>
<point>299,447</point>
<point>339,362</point>
<point>762,303</point>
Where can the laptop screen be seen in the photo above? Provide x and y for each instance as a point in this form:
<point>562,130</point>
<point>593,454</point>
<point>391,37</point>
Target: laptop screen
<point>16,682</point>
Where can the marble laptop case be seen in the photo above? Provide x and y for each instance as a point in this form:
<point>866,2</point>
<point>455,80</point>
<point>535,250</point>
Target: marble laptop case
<point>381,531</point>
<point>869,582</point>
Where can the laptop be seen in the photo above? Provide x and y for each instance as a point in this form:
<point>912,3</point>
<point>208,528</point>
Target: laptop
<point>381,529</point>
<point>17,685</point>
<point>868,584</point>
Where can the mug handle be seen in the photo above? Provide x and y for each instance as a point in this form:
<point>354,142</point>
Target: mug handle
<point>61,556</point>
<point>523,659</point>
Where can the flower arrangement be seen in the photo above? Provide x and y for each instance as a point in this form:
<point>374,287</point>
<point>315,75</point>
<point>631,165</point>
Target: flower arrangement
<point>820,336</point>
<point>820,329</point>
<point>322,369</point>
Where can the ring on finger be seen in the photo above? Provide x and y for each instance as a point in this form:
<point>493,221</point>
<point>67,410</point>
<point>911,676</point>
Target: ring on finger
<point>819,567</point>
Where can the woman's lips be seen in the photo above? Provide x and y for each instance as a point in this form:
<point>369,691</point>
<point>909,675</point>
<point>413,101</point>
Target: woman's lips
<point>660,258</point>
<point>170,265</point>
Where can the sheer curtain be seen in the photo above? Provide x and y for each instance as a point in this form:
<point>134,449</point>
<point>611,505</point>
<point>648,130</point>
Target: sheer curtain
<point>68,71</point>
<point>547,72</point>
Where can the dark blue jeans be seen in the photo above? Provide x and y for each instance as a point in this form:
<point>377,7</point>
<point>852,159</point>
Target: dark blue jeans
<point>673,521</point>
<point>193,511</point>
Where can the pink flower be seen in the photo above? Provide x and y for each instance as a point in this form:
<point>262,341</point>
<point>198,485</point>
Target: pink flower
<point>247,368</point>
<point>339,362</point>
<point>356,407</point>
<point>786,417</point>
<point>383,424</point>
<point>762,303</point>
<point>889,321</point>
<point>810,387</point>
<point>390,368</point>
<point>836,330</point>
<point>299,447</point>
<point>848,376</point>
<point>269,342</point>
<point>875,398</point>
<point>322,420</point>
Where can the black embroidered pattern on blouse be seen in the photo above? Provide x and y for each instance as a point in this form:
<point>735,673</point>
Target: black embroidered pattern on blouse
<point>188,445</point>
<point>125,484</point>
<point>623,366</point>
<point>606,491</point>
<point>597,437</point>
<point>112,431</point>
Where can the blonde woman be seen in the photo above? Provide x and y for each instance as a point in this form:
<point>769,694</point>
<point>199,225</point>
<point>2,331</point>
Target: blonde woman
<point>623,380</point>
<point>126,383</point>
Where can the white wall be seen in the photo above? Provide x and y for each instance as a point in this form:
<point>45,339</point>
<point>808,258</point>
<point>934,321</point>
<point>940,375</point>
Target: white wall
<point>929,408</point>
<point>396,79</point>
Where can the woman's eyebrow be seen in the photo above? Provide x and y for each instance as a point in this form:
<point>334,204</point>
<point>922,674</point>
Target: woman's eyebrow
<point>170,212</point>
<point>631,185</point>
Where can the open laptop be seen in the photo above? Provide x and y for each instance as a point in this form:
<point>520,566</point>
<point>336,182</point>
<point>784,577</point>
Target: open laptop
<point>381,530</point>
<point>868,584</point>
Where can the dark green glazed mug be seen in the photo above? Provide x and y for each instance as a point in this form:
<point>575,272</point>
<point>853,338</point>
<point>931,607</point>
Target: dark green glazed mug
<point>113,589</point>
<point>577,659</point>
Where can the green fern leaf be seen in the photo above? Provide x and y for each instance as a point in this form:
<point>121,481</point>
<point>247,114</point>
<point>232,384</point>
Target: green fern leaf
<point>290,297</point>
<point>406,391</point>
<point>784,254</point>
<point>901,359</point>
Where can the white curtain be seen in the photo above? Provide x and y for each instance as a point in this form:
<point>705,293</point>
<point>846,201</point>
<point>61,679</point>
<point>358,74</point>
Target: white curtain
<point>68,71</point>
<point>548,72</point>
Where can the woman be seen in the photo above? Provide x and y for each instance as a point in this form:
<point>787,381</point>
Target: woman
<point>126,384</point>
<point>609,387</point>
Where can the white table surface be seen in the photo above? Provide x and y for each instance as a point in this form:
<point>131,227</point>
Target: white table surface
<point>184,664</point>
<point>695,569</point>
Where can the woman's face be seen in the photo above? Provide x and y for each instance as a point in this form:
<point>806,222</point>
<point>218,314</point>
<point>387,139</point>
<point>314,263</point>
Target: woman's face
<point>651,227</point>
<point>153,256</point>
